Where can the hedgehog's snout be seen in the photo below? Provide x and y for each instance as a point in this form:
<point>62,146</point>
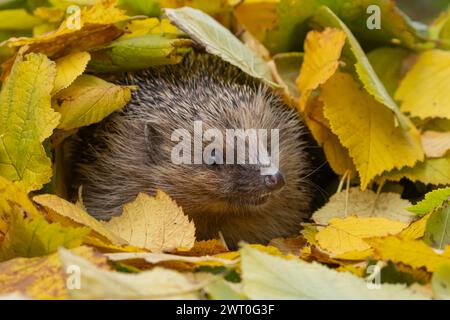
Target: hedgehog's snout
<point>274,181</point>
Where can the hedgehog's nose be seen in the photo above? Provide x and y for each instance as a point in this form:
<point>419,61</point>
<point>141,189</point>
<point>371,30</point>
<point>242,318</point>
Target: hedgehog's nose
<point>274,181</point>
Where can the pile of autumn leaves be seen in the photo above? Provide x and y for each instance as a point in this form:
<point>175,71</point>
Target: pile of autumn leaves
<point>361,244</point>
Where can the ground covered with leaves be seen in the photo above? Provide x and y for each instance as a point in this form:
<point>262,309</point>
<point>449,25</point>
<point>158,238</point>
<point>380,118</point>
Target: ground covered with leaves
<point>375,100</point>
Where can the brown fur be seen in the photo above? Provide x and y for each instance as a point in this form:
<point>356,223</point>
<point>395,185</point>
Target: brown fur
<point>129,152</point>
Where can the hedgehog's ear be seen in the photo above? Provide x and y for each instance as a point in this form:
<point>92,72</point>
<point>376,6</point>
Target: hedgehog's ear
<point>152,141</point>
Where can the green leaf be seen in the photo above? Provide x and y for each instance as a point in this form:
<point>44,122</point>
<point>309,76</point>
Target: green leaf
<point>437,232</point>
<point>269,277</point>
<point>17,19</point>
<point>26,120</point>
<point>36,237</point>
<point>224,290</point>
<point>364,69</point>
<point>219,41</point>
<point>139,52</point>
<point>435,171</point>
<point>440,282</point>
<point>89,100</point>
<point>294,15</point>
<point>392,57</point>
<point>432,200</point>
<point>149,8</point>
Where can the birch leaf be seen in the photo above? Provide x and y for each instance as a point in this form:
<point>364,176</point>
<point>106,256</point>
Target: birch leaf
<point>364,204</point>
<point>270,277</point>
<point>26,120</point>
<point>435,144</point>
<point>89,100</point>
<point>320,62</point>
<point>415,253</point>
<point>346,235</point>
<point>154,223</point>
<point>42,277</point>
<point>68,68</point>
<point>434,171</point>
<point>424,90</point>
<point>36,237</point>
<point>219,41</point>
<point>431,201</point>
<point>350,109</point>
<point>157,283</point>
<point>437,232</point>
<point>72,215</point>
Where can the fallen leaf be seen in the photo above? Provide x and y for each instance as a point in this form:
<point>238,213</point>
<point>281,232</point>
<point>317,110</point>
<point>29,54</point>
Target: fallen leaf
<point>70,214</point>
<point>33,237</point>
<point>415,253</point>
<point>435,144</point>
<point>219,41</point>
<point>364,204</point>
<point>155,223</point>
<point>68,68</point>
<point>269,277</point>
<point>432,200</point>
<point>434,171</point>
<point>437,231</point>
<point>349,109</point>
<point>441,282</point>
<point>320,62</point>
<point>158,283</point>
<point>42,277</point>
<point>346,235</point>
<point>423,91</point>
<point>416,229</point>
<point>26,120</point>
<point>89,100</point>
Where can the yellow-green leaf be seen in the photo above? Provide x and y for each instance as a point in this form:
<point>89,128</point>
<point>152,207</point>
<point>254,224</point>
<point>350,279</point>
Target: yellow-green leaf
<point>89,100</point>
<point>424,90</point>
<point>17,19</point>
<point>26,119</point>
<point>411,252</point>
<point>70,214</point>
<point>32,237</point>
<point>346,235</point>
<point>434,171</point>
<point>68,68</point>
<point>42,277</point>
<point>367,130</point>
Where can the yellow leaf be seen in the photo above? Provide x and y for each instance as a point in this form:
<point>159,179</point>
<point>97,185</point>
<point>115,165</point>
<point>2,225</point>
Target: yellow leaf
<point>42,277</point>
<point>435,144</point>
<point>143,27</point>
<point>71,215</point>
<point>364,204</point>
<point>411,252</point>
<point>321,60</point>
<point>155,223</point>
<point>157,283</point>
<point>416,229</point>
<point>336,154</point>
<point>431,171</point>
<point>89,100</point>
<point>26,120</point>
<point>346,235</point>
<point>258,16</point>
<point>354,255</point>
<point>68,68</point>
<point>49,14</point>
<point>11,195</point>
<point>84,29</point>
<point>32,237</point>
<point>367,129</point>
<point>424,89</point>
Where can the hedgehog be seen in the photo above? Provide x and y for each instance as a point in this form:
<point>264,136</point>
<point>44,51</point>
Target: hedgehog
<point>130,152</point>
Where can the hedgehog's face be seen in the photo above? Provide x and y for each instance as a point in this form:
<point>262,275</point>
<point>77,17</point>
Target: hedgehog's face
<point>219,186</point>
